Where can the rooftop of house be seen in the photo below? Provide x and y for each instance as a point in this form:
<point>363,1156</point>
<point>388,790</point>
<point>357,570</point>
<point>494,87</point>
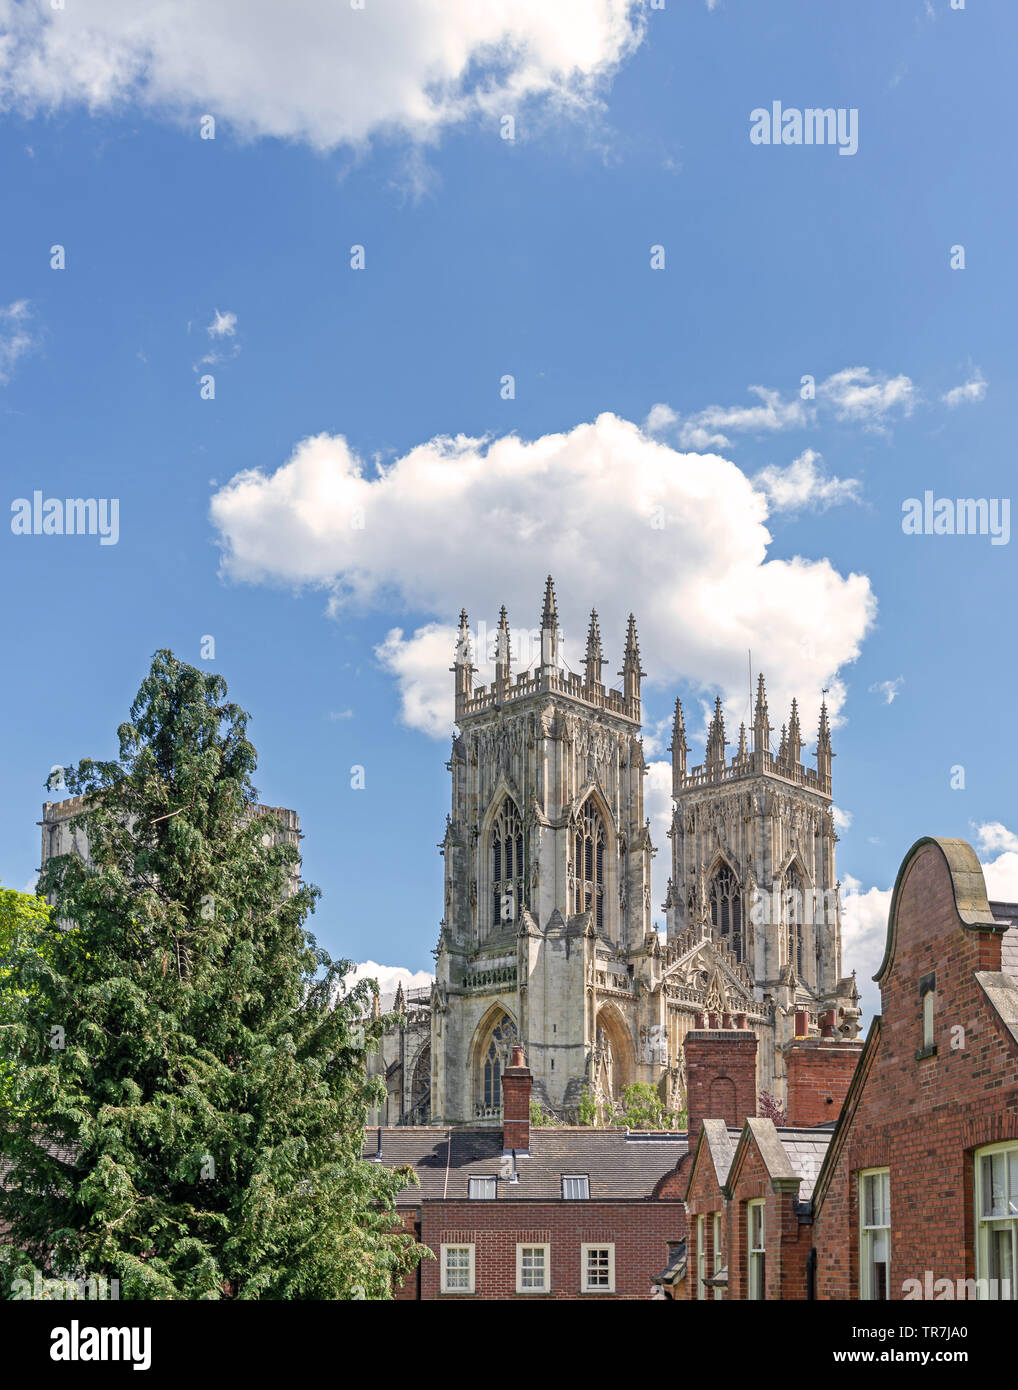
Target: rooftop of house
<point>617,1162</point>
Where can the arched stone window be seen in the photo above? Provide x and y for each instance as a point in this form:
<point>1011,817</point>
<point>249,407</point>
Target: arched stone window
<point>793,899</point>
<point>589,863</point>
<point>420,1088</point>
<point>494,1058</point>
<point>726,909</point>
<point>507,874</point>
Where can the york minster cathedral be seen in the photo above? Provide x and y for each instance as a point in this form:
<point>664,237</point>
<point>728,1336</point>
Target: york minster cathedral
<point>546,937</point>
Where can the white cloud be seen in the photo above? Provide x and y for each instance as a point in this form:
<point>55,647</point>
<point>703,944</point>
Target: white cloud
<point>660,418</point>
<point>326,74</point>
<point>864,936</point>
<point>803,484</point>
<point>890,690</point>
<point>657,806</point>
<point>706,429</point>
<point>16,336</point>
<point>388,977</point>
<point>222,325</point>
<point>992,838</point>
<point>341,714</point>
<point>855,393</point>
<point>842,818</point>
<point>480,522</point>
<point>972,390</point>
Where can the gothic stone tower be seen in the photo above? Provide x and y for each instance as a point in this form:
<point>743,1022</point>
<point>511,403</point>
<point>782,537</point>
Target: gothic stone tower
<point>753,873</point>
<point>547,929</point>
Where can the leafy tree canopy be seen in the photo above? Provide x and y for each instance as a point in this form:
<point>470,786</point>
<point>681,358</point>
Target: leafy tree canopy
<point>194,1126</point>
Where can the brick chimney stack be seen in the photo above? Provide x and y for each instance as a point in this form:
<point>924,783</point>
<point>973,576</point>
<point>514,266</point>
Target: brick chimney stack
<point>819,1072</point>
<point>517,1079</point>
<point>720,1075</point>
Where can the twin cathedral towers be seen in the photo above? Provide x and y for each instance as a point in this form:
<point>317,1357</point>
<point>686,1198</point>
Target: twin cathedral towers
<point>547,937</point>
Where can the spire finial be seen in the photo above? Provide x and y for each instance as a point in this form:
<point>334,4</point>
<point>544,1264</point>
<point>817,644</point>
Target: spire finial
<point>761,723</point>
<point>463,663</point>
<point>502,647</point>
<point>743,751</point>
<point>631,672</point>
<point>549,618</point>
<point>824,754</point>
<point>678,748</point>
<point>794,735</point>
<point>594,659</point>
<point>716,741</point>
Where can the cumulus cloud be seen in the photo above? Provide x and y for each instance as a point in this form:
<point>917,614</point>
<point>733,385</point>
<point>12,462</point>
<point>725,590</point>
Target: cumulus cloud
<point>864,936</point>
<point>993,838</point>
<point>388,977</point>
<point>842,818</point>
<point>804,485</point>
<point>857,393</point>
<point>888,690</point>
<point>16,336</point>
<point>459,520</point>
<point>325,74</point>
<point>972,390</point>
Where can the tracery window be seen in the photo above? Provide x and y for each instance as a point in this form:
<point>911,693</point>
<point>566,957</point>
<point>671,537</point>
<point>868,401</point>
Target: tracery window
<point>507,872</point>
<point>588,863</point>
<point>793,898</point>
<point>726,909</point>
<point>494,1061</point>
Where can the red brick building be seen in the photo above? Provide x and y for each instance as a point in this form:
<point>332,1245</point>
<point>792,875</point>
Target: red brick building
<point>919,1193</point>
<point>914,1192</point>
<point>546,1213</point>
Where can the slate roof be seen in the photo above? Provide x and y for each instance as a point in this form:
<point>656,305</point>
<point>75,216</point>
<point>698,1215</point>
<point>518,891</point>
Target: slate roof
<point>618,1164</point>
<point>806,1149</point>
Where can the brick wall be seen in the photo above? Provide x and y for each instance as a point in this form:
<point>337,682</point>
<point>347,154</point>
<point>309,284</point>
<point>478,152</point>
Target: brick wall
<point>819,1072</point>
<point>922,1116</point>
<point>639,1230</point>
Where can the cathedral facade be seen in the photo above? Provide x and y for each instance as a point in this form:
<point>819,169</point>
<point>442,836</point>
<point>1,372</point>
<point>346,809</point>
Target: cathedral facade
<point>546,937</point>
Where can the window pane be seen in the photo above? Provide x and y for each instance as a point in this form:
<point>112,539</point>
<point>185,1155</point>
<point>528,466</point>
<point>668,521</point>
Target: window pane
<point>1012,1182</point>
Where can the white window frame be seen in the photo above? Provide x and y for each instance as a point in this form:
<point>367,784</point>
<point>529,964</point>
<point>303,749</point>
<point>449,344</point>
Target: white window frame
<point>719,1253</point>
<point>585,1250</point>
<point>576,1177</point>
<point>870,1232</point>
<point>491,1188</point>
<point>443,1256</point>
<point>533,1245</point>
<point>756,1255</point>
<point>701,1259</point>
<point>990,1285</point>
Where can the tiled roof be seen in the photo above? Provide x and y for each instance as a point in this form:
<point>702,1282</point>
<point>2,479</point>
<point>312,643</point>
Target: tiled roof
<point>618,1164</point>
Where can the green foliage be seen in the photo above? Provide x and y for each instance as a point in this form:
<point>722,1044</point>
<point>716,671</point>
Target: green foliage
<point>199,1134</point>
<point>643,1108</point>
<point>23,920</point>
<point>539,1116</point>
<point>586,1111</point>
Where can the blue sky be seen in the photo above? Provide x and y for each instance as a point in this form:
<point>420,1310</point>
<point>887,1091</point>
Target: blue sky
<point>531,257</point>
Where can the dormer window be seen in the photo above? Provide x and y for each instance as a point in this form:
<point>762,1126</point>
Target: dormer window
<point>575,1187</point>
